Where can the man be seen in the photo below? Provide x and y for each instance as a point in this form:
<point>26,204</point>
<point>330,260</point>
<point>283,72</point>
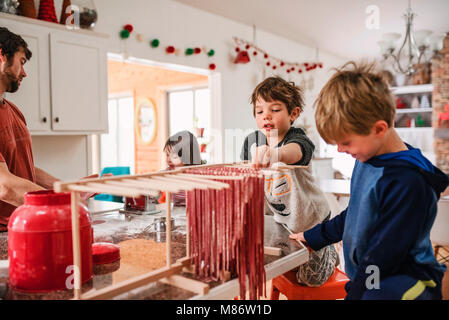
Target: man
<point>18,174</point>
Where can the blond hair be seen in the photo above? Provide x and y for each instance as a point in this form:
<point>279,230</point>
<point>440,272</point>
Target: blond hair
<point>352,101</point>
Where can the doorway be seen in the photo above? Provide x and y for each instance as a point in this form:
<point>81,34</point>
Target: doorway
<point>148,102</point>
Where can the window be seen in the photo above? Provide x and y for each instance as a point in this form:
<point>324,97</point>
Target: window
<point>117,147</point>
<point>190,109</point>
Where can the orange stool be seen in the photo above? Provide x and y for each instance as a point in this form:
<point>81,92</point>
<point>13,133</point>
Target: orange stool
<point>287,284</point>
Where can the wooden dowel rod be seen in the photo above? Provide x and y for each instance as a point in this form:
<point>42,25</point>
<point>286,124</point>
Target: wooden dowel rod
<point>146,191</point>
<point>168,227</point>
<point>96,190</point>
<point>152,184</point>
<point>107,187</point>
<point>183,183</point>
<point>197,176</point>
<point>135,282</point>
<point>186,284</point>
<point>161,186</point>
<point>272,251</point>
<point>60,186</point>
<point>76,245</point>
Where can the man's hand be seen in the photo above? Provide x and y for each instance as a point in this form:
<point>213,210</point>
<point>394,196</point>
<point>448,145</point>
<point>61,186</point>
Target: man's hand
<point>87,195</point>
<point>263,156</point>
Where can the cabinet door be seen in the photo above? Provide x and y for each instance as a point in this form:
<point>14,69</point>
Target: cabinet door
<point>33,96</point>
<point>78,83</point>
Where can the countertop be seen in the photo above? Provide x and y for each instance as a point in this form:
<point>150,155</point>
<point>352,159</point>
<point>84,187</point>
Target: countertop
<point>142,249</point>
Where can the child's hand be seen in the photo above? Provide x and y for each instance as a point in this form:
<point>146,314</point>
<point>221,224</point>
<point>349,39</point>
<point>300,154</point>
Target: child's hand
<point>263,156</point>
<point>300,237</point>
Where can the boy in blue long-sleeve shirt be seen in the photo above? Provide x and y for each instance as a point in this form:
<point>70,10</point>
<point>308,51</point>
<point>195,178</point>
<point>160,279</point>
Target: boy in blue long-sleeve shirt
<point>394,192</point>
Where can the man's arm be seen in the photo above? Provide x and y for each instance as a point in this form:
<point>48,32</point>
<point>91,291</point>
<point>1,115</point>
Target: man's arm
<point>12,188</point>
<point>44,179</point>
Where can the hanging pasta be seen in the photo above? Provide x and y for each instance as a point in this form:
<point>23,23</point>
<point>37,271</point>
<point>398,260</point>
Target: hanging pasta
<point>226,228</point>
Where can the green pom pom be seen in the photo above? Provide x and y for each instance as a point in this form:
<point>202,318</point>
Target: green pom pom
<point>124,34</point>
<point>189,51</point>
<point>211,52</point>
<point>155,43</point>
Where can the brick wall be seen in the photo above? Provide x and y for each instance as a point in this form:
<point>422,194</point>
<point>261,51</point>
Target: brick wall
<point>440,98</point>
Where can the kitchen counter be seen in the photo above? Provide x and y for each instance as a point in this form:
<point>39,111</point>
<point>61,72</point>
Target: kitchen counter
<point>142,249</point>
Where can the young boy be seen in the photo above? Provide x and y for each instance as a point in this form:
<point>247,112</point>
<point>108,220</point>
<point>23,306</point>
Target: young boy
<point>181,149</point>
<point>292,197</point>
<point>394,193</point>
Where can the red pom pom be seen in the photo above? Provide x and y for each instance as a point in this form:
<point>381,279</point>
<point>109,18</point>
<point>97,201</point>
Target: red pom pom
<point>299,71</point>
<point>265,56</point>
<point>247,46</point>
<point>129,27</point>
<point>288,71</point>
<point>293,69</point>
<point>255,53</point>
<point>170,49</point>
<point>321,65</point>
<point>197,50</point>
<point>306,64</point>
<point>268,63</point>
<point>212,66</point>
<point>282,63</point>
<point>237,49</point>
<point>274,67</point>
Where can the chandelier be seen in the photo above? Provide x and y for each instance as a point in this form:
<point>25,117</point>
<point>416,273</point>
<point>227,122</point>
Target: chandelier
<point>418,47</point>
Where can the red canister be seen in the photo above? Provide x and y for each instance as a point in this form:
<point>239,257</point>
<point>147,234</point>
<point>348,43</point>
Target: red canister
<point>40,243</point>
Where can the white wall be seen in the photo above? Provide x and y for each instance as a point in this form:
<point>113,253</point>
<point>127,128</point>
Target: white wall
<point>183,26</point>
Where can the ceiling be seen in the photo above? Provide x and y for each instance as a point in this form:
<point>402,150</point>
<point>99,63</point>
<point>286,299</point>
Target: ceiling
<point>334,26</point>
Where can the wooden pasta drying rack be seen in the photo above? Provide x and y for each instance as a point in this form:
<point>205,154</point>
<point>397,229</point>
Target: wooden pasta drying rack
<point>140,185</point>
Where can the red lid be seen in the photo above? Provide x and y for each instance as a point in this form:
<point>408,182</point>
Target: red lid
<point>47,197</point>
<point>46,211</point>
<point>105,252</point>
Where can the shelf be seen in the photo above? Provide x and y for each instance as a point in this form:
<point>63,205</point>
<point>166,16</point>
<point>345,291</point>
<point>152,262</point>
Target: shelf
<point>422,88</point>
<point>52,25</point>
<point>405,129</point>
<point>413,110</point>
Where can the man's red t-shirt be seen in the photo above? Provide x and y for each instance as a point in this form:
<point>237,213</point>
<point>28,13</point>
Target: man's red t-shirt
<point>15,151</point>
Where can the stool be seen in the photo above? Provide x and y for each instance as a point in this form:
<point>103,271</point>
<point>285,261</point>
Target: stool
<point>287,284</point>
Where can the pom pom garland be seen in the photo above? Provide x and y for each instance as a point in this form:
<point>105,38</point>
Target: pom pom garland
<point>170,49</point>
<point>273,62</point>
<point>154,43</point>
<point>129,27</point>
<point>124,34</point>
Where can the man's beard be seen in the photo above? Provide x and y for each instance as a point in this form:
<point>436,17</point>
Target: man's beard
<point>12,82</point>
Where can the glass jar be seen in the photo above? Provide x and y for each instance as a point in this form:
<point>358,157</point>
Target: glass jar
<point>86,12</point>
<point>9,6</point>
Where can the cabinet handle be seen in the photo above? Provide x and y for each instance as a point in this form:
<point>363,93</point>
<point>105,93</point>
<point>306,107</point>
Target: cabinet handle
<point>57,119</point>
<point>44,119</point>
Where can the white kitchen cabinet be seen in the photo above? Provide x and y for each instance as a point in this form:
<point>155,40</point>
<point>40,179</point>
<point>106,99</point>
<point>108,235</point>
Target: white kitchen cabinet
<point>78,83</point>
<point>65,91</point>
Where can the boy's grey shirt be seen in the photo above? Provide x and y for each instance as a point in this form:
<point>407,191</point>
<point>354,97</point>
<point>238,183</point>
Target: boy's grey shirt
<point>294,135</point>
<point>294,198</point>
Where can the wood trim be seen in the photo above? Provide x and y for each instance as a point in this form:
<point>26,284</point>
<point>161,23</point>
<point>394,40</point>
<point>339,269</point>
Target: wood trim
<point>195,286</point>
<point>135,282</point>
